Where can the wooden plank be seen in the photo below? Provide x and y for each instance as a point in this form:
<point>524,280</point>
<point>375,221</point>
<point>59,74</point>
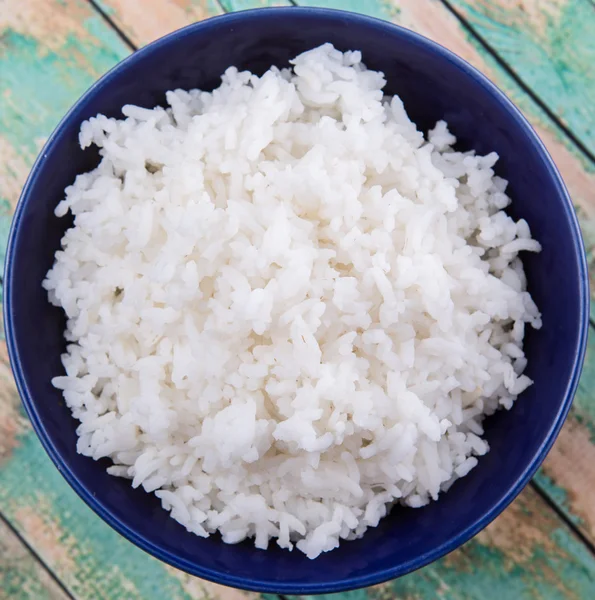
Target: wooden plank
<point>22,576</point>
<point>43,69</point>
<point>132,16</point>
<point>143,26</point>
<point>568,473</point>
<point>165,16</point>
<point>235,5</point>
<point>524,554</point>
<point>90,558</point>
<point>50,52</point>
<point>550,44</point>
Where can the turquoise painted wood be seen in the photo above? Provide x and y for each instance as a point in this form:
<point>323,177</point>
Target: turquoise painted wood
<point>21,574</point>
<point>524,554</point>
<point>50,51</point>
<point>550,44</point>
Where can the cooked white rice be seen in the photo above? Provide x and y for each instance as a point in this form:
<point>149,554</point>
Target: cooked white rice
<point>288,310</point>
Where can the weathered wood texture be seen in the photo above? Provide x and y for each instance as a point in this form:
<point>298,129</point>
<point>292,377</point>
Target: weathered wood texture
<point>50,51</point>
<point>524,554</point>
<point>143,26</point>
<point>138,23</point>
<point>21,574</point>
<point>568,473</point>
<point>550,44</point>
<point>90,558</point>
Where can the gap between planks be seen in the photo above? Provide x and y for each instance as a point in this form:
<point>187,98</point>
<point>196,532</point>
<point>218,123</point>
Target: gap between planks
<point>520,81</point>
<point>17,549</point>
<point>111,23</point>
<point>572,526</point>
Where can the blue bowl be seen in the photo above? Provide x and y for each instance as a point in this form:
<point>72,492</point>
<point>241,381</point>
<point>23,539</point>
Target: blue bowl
<point>434,84</point>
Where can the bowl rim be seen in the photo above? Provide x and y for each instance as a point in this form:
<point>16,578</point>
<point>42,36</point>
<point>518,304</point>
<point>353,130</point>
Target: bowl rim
<point>351,582</point>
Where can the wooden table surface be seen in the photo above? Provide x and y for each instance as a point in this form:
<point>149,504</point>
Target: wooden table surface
<point>542,54</point>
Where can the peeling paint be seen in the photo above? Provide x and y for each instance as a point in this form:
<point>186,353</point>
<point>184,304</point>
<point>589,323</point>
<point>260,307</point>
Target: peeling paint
<point>144,26</point>
<point>551,45</point>
<point>521,530</point>
<point>13,422</point>
<point>43,87</point>
<point>47,21</point>
<point>13,172</point>
<point>50,541</point>
<point>21,575</point>
<point>235,5</point>
<point>569,471</point>
<point>526,553</point>
<point>90,558</point>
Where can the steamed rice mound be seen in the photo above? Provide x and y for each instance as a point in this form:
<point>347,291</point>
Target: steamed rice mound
<point>287,309</point>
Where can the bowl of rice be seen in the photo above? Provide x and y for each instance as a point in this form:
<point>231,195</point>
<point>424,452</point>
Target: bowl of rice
<point>296,300</point>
